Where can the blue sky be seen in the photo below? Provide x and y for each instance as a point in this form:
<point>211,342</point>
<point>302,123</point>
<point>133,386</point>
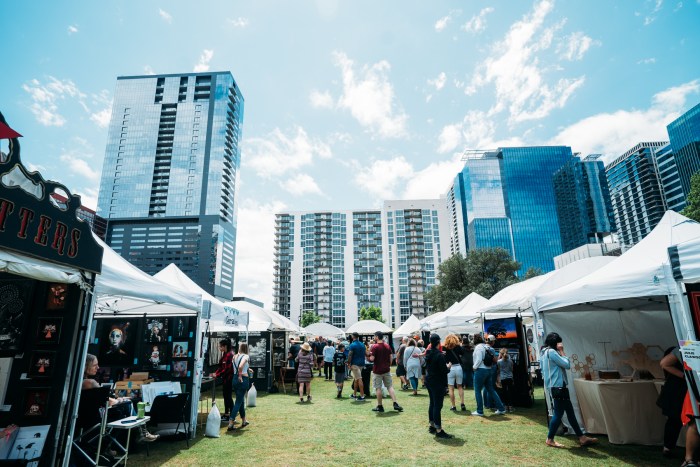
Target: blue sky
<point>349,103</point>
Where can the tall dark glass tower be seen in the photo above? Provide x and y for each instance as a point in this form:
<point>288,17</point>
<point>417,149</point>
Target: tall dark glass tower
<point>583,202</point>
<point>170,175</point>
<point>684,136</point>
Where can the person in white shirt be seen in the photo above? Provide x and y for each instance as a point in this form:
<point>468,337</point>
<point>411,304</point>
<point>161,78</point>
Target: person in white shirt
<point>482,377</point>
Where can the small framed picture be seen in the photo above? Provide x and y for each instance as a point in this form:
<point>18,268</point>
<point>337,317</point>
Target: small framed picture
<point>41,364</point>
<point>49,330</point>
<point>179,369</point>
<point>179,327</point>
<point>156,357</point>
<point>157,330</point>
<point>57,296</point>
<point>180,349</point>
<point>36,402</point>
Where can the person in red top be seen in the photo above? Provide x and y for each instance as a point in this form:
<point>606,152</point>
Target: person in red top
<point>225,372</point>
<point>380,354</point>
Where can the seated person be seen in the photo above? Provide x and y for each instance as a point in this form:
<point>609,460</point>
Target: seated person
<point>89,382</point>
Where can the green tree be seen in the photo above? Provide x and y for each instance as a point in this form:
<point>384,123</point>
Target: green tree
<point>532,272</point>
<point>309,317</point>
<point>484,271</point>
<point>372,312</point>
<point>692,208</point>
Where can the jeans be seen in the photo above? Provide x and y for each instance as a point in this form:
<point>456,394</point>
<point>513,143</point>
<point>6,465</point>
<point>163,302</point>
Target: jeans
<point>228,399</point>
<point>482,381</point>
<point>468,377</point>
<point>240,388</point>
<point>559,408</point>
<point>437,398</point>
<point>488,402</point>
<point>414,382</point>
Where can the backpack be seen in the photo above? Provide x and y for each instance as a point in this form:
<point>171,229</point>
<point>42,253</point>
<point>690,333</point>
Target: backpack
<point>488,356</point>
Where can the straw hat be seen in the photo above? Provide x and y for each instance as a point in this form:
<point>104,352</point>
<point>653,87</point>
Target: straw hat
<point>306,347</point>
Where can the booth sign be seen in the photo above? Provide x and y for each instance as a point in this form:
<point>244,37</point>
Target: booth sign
<point>236,317</point>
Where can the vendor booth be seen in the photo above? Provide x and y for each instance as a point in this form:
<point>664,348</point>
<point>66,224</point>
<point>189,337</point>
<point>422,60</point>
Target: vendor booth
<point>460,318</point>
<point>616,324</point>
<point>324,330</point>
<point>366,329</point>
<point>48,261</point>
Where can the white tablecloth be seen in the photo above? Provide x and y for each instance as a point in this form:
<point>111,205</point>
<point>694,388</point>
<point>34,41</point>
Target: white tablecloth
<point>625,411</point>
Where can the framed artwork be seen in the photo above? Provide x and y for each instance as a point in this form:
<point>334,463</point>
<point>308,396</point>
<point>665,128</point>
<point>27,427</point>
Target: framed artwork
<point>36,402</point>
<point>56,296</point>
<point>49,330</point>
<point>179,369</point>
<point>156,330</point>
<point>180,349</point>
<point>15,303</point>
<point>42,364</point>
<point>117,342</point>
<point>257,351</point>
<point>180,327</point>
<point>29,443</point>
<point>156,356</point>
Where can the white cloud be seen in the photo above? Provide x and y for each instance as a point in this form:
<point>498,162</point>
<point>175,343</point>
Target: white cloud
<point>88,197</point>
<point>370,97</point>
<point>45,98</point>
<point>167,17</point>
<point>204,59</point>
<point>148,70</point>
<point>434,180</point>
<point>647,61</point>
<point>255,242</point>
<point>72,29</point>
<point>574,46</point>
<point>476,131</point>
<point>515,72</point>
<point>651,17</point>
<point>74,159</point>
<point>477,23</point>
<point>382,177</point>
<point>239,22</point>
<point>102,117</point>
<point>614,133</point>
<point>277,154</point>
<point>442,23</point>
<point>321,99</point>
<point>301,184</point>
<point>438,82</point>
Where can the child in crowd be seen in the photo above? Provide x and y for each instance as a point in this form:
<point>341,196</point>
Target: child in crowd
<point>339,364</point>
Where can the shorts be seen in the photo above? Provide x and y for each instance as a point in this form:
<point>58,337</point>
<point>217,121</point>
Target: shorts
<point>400,370</point>
<point>356,371</point>
<point>454,377</point>
<point>340,377</point>
<point>319,359</point>
<point>378,380</point>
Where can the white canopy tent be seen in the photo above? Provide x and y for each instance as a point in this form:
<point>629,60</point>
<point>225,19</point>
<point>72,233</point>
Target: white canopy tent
<point>368,326</point>
<point>460,318</point>
<point>409,327</point>
<point>325,330</point>
<point>34,268</point>
<point>172,275</point>
<point>260,319</point>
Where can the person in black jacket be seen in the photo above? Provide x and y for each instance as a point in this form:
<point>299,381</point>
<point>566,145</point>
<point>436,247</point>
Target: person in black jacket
<point>437,369</point>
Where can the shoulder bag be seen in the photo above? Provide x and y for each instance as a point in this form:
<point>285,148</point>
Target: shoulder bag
<point>558,393</point>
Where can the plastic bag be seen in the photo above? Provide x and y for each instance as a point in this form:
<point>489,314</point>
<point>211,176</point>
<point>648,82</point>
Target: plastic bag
<point>252,395</point>
<point>213,422</point>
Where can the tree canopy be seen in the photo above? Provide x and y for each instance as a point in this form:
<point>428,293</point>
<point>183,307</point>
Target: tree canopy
<point>484,271</point>
<point>309,317</point>
<point>372,312</point>
<point>692,208</point>
<point>532,272</point>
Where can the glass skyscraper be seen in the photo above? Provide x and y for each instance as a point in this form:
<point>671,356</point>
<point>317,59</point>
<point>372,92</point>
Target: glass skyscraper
<point>635,192</point>
<point>667,170</point>
<point>684,136</point>
<point>506,199</point>
<point>170,176</point>
<point>583,201</point>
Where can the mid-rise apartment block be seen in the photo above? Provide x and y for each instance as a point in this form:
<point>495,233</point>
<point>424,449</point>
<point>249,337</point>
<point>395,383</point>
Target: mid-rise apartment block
<point>684,137</point>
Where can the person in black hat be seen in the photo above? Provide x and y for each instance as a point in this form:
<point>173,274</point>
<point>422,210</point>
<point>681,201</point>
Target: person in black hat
<point>436,381</point>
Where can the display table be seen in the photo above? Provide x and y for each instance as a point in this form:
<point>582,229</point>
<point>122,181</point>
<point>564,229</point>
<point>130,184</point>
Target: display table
<point>126,424</point>
<point>624,411</point>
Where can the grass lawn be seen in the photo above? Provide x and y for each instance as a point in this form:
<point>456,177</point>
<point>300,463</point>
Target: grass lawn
<point>330,431</point>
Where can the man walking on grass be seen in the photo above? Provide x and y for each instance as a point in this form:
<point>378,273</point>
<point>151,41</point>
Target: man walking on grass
<point>356,360</point>
<point>380,354</point>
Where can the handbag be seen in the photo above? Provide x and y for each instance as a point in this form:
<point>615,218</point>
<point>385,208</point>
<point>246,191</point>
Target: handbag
<point>558,393</point>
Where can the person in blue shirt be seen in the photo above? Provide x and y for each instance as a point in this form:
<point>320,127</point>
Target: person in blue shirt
<point>328,353</point>
<point>554,365</point>
<point>356,360</point>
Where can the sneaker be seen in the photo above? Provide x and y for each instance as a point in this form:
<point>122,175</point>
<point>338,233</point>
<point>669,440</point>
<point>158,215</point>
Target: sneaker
<point>149,437</point>
<point>464,408</point>
<point>432,430</point>
<point>499,412</point>
<point>378,408</point>
<point>224,418</point>
<point>353,396</point>
<point>477,414</point>
<point>453,408</point>
<point>360,399</point>
<point>397,407</point>
<point>443,434</point>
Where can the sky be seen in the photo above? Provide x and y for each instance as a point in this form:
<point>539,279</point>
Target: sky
<point>349,103</point>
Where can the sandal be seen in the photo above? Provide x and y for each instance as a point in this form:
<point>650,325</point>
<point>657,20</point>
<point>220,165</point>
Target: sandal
<point>245,424</point>
<point>689,463</point>
<point>308,398</point>
<point>587,441</point>
<point>553,444</point>
<point>230,428</point>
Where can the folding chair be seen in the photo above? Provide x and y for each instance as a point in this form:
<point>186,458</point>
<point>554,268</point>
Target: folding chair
<point>172,408</point>
<point>288,376</point>
<point>91,425</point>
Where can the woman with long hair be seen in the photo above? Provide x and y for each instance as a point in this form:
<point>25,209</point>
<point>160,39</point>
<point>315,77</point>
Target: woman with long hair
<point>305,364</point>
<point>241,384</point>
<point>453,354</point>
<point>412,364</point>
<point>225,372</point>
<point>505,376</point>
<point>554,366</point>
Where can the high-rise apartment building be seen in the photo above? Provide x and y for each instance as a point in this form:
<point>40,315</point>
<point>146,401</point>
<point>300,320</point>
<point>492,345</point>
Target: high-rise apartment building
<point>635,192</point>
<point>583,202</point>
<point>506,199</point>
<point>330,263</point>
<point>667,171</point>
<point>416,241</point>
<point>170,176</point>
<point>684,137</point>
